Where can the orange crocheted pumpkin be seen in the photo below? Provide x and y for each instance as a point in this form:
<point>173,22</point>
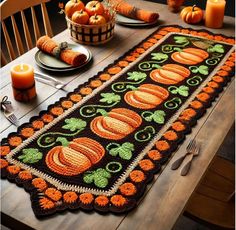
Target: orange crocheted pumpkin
<point>77,157</point>
<point>147,96</point>
<point>170,74</point>
<point>190,56</point>
<point>117,124</point>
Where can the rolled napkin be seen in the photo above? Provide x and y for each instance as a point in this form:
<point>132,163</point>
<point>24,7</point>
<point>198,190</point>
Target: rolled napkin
<point>60,51</point>
<point>131,11</point>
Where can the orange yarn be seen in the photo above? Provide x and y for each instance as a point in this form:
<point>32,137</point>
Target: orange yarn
<point>53,193</point>
<point>102,200</point>
<point>137,176</point>
<point>70,197</point>
<point>4,150</point>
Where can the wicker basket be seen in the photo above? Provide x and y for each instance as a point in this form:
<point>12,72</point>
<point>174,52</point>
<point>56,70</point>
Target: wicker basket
<point>91,34</point>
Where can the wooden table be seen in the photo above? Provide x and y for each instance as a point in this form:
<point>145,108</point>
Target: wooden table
<point>166,197</point>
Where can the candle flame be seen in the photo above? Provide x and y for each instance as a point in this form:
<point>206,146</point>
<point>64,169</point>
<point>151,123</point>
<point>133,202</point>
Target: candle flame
<point>21,66</point>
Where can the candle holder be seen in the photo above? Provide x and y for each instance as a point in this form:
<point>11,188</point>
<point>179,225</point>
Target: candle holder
<point>24,95</point>
<point>23,83</point>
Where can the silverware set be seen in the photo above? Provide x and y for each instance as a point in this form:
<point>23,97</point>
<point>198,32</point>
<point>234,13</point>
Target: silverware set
<point>44,78</point>
<point>8,111</point>
<point>192,149</point>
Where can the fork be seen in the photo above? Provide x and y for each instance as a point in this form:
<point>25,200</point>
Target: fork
<point>187,167</point>
<point>49,80</point>
<point>10,115</point>
<point>189,150</point>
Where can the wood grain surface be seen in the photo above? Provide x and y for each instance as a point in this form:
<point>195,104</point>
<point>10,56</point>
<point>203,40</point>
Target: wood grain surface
<point>165,198</point>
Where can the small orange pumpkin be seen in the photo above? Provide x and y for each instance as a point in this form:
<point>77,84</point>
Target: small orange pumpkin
<point>191,14</point>
<point>77,157</point>
<point>190,56</point>
<point>170,74</point>
<point>147,96</point>
<point>96,20</point>
<point>117,124</point>
<point>72,6</point>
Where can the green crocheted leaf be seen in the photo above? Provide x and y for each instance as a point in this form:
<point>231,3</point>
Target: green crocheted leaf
<point>125,153</point>
<point>114,151</point>
<point>180,39</point>
<point>159,56</point>
<point>159,116</point>
<point>216,48</point>
<point>74,124</point>
<point>88,178</point>
<point>183,90</point>
<point>102,173</point>
<point>100,182</point>
<point>31,156</point>
<point>110,98</point>
<point>203,69</point>
<point>128,145</point>
<point>136,76</point>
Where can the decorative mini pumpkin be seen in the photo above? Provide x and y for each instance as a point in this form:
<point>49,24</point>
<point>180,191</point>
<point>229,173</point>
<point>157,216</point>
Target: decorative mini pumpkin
<point>170,74</point>
<point>80,17</point>
<point>191,14</point>
<point>97,20</point>
<point>147,96</point>
<point>72,6</point>
<point>190,56</point>
<point>94,7</point>
<point>75,158</point>
<point>117,124</point>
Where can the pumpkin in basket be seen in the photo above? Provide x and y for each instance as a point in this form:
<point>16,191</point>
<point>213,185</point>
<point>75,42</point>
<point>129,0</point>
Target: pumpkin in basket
<point>97,20</point>
<point>191,14</point>
<point>78,156</point>
<point>147,96</point>
<point>170,74</point>
<point>190,56</point>
<point>80,17</point>
<point>94,8</point>
<point>72,6</point>
<point>117,124</point>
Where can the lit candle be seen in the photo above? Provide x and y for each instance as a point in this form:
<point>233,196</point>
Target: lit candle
<point>214,13</point>
<point>23,82</point>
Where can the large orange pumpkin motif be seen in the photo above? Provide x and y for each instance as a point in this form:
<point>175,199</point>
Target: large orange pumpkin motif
<point>147,96</point>
<point>77,157</point>
<point>117,124</point>
<point>170,74</point>
<point>190,56</point>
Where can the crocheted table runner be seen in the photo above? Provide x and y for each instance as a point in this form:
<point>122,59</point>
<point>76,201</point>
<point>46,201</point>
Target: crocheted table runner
<point>98,147</point>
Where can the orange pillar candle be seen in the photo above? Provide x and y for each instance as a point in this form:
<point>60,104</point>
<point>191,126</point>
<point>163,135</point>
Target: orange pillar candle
<point>214,15</point>
<point>23,82</point>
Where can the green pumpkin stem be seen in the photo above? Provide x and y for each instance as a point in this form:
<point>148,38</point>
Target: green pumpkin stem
<point>63,140</point>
